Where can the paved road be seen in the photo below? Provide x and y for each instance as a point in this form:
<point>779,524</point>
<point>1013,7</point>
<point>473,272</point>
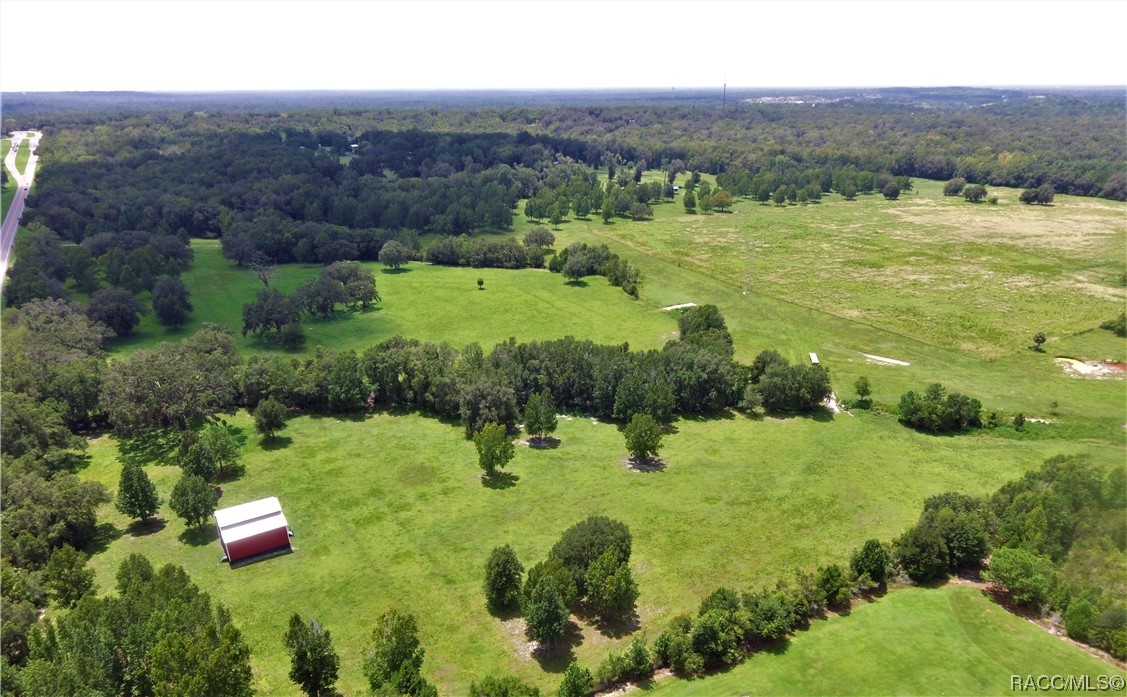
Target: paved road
<point>23,183</point>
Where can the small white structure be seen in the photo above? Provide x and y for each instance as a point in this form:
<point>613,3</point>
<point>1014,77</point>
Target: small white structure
<point>252,528</point>
<point>813,358</point>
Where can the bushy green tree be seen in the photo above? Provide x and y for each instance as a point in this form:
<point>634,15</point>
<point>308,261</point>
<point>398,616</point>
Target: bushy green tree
<point>136,494</point>
<point>494,448</point>
<point>611,590</point>
<point>954,187</point>
<point>313,661</point>
<point>545,614</point>
<point>269,417</point>
<point>67,578</point>
<point>833,584</point>
<point>171,303</point>
<point>117,309</point>
<point>643,437</point>
<point>394,657</point>
<point>870,561</point>
<point>577,682</point>
<point>193,499</point>
<point>503,573</point>
<point>1028,578</point>
<point>220,441</point>
<point>583,543</point>
<point>395,254</point>
<point>922,553</point>
<point>540,415</point>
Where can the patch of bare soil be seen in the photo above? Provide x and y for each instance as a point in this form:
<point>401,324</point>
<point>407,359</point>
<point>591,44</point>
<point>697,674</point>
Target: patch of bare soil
<point>652,464</point>
<point>514,630</point>
<point>1099,370</point>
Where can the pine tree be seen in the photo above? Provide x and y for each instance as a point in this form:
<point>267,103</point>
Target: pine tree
<point>313,662</point>
<point>136,494</point>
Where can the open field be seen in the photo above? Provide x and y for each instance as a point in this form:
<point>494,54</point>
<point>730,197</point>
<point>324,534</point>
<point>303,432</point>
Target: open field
<point>390,511</point>
<point>23,154</point>
<point>9,189</point>
<point>973,647</point>
<point>978,278</point>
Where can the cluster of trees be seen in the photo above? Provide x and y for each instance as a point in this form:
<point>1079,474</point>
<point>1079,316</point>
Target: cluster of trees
<point>938,411</point>
<point>778,386</point>
<point>341,283</point>
<point>130,262</point>
<point>1043,194</point>
<point>160,634</point>
<point>580,260</point>
<point>783,180</point>
<point>586,570</point>
<point>1057,541</point>
<point>484,253</point>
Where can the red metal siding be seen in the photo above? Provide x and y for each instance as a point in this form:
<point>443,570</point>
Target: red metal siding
<point>263,542</point>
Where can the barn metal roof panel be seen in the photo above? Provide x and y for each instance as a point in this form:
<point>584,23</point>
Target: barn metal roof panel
<point>245,512</point>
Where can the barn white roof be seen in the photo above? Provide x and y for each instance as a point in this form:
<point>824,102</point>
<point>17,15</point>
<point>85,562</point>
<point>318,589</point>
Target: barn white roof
<point>249,519</point>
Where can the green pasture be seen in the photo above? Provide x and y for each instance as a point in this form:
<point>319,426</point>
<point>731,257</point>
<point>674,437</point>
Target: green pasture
<point>390,511</point>
<point>23,154</point>
<point>424,302</point>
<point>914,641</point>
<point>8,191</point>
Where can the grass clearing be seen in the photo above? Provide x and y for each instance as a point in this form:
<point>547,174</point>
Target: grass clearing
<point>972,645</point>
<point>424,302</point>
<point>390,511</point>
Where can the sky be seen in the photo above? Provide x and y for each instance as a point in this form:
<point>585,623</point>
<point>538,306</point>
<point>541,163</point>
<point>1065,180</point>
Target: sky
<point>212,45</point>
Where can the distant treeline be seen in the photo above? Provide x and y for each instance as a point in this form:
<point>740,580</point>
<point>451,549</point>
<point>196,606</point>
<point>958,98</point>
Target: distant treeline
<point>456,171</point>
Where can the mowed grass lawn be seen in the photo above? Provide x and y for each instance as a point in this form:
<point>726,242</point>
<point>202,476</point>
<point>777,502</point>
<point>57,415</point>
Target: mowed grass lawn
<point>973,647</point>
<point>390,511</point>
<point>420,301</point>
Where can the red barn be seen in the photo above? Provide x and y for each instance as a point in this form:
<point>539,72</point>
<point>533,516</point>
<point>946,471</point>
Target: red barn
<point>252,528</point>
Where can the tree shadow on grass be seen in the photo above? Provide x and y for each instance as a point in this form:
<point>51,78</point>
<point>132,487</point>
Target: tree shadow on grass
<point>500,480</point>
<point>157,448</point>
<point>104,535</point>
<point>353,417</point>
<point>505,614</point>
<point>559,656</point>
<point>776,648</point>
<point>230,473</point>
<point>200,535</point>
<point>394,272</point>
<point>276,443</point>
<point>616,628</point>
<point>577,283</point>
<point>148,527</point>
<point>549,443</point>
<point>649,464</point>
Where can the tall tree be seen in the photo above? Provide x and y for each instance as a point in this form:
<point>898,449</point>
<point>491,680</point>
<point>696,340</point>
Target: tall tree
<point>67,578</point>
<point>395,656</point>
<point>117,309</point>
<point>395,254</point>
<point>220,441</point>
<point>269,417</point>
<point>643,437</point>
<point>136,494</point>
<point>193,499</point>
<point>313,662</point>
<point>502,578</point>
<point>494,448</point>
<point>171,302</point>
<point>540,415</point>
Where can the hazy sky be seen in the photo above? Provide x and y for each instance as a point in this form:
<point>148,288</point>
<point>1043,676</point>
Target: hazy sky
<point>48,45</point>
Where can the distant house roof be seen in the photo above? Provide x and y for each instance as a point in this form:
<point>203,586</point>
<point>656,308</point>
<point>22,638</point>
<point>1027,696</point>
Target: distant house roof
<point>249,519</point>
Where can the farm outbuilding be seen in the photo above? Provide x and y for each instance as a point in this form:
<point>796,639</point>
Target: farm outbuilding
<point>252,528</point>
